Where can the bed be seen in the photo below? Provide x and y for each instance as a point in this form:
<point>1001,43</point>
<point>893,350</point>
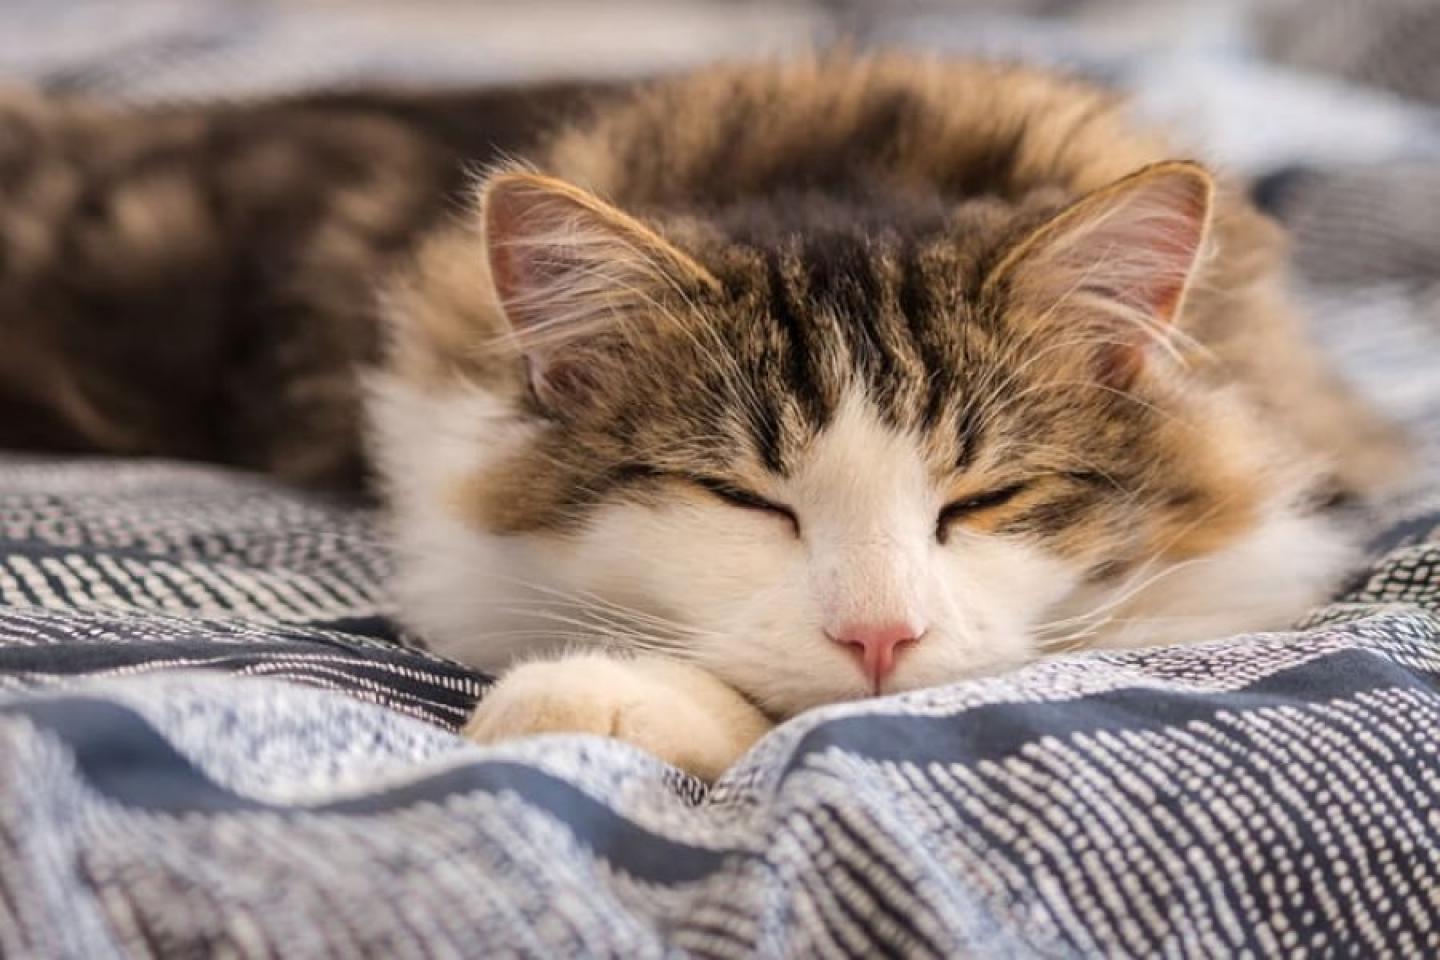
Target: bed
<point>215,741</point>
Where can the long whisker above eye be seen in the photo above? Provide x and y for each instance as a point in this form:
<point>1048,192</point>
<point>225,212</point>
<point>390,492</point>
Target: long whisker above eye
<point>714,352</point>
<point>1105,388</point>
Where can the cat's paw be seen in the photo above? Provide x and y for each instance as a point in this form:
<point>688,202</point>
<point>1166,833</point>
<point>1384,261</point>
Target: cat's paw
<point>680,713</point>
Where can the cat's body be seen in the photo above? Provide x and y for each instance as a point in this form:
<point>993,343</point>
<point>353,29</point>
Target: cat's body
<point>774,386</point>
<point>200,281</point>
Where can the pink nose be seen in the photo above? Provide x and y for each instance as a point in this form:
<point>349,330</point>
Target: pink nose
<point>876,644</point>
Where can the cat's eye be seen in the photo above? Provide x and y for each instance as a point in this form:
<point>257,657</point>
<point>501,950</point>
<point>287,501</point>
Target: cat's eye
<point>971,505</point>
<point>745,499</point>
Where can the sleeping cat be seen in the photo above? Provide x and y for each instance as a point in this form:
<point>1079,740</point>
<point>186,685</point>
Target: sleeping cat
<point>770,387</point>
<point>743,392</point>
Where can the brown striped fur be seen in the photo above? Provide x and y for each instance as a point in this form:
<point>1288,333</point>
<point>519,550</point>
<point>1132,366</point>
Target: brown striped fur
<point>853,212</point>
<point>200,281</point>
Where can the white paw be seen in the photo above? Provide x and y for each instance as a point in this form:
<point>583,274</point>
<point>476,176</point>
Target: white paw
<point>677,712</point>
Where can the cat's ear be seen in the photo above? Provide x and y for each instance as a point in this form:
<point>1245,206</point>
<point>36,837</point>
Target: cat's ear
<point>573,275</point>
<point>1116,264</point>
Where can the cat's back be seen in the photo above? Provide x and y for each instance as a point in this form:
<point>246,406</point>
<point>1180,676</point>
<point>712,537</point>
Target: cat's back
<point>846,125</point>
<point>228,251</point>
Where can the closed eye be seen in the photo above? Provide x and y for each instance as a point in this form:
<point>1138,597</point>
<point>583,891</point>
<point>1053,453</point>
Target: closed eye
<point>745,499</point>
<point>968,506</point>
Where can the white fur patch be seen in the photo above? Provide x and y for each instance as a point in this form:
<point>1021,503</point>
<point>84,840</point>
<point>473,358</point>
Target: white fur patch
<point>1260,582</point>
<point>456,586</point>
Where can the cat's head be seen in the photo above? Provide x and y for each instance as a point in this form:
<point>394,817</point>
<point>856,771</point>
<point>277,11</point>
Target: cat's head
<point>821,464</point>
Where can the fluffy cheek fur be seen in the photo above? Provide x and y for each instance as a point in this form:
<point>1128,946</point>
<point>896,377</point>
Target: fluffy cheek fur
<point>468,595</point>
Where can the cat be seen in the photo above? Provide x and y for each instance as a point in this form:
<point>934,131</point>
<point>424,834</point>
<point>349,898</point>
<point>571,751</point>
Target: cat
<point>719,396</point>
<point>768,387</point>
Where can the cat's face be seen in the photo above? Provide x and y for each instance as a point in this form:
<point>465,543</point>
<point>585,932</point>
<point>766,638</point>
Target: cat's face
<point>871,563</point>
<point>831,466</point>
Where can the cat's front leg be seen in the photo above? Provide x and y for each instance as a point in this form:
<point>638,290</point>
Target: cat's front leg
<point>681,713</point>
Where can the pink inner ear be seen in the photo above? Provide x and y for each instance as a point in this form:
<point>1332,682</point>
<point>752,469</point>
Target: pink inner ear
<point>518,221</point>
<point>1173,232</point>
<point>528,230</point>
<point>500,217</point>
<point>572,274</point>
<point>1139,246</point>
<point>1119,262</point>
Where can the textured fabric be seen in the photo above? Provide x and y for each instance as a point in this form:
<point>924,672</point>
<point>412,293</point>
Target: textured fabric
<point>214,741</point>
<point>123,569</point>
<point>1266,792</point>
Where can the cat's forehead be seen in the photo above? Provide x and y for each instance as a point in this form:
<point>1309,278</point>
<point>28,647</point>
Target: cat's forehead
<point>806,321</point>
<point>810,326</point>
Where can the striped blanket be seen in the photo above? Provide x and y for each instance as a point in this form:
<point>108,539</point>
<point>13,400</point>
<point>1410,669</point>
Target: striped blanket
<point>215,742</point>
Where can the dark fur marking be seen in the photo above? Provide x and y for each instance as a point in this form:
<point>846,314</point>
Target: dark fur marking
<point>769,440</point>
<point>968,434</point>
<point>1107,571</point>
<point>1048,517</point>
<point>991,169</point>
<point>917,306</point>
<point>799,343</point>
